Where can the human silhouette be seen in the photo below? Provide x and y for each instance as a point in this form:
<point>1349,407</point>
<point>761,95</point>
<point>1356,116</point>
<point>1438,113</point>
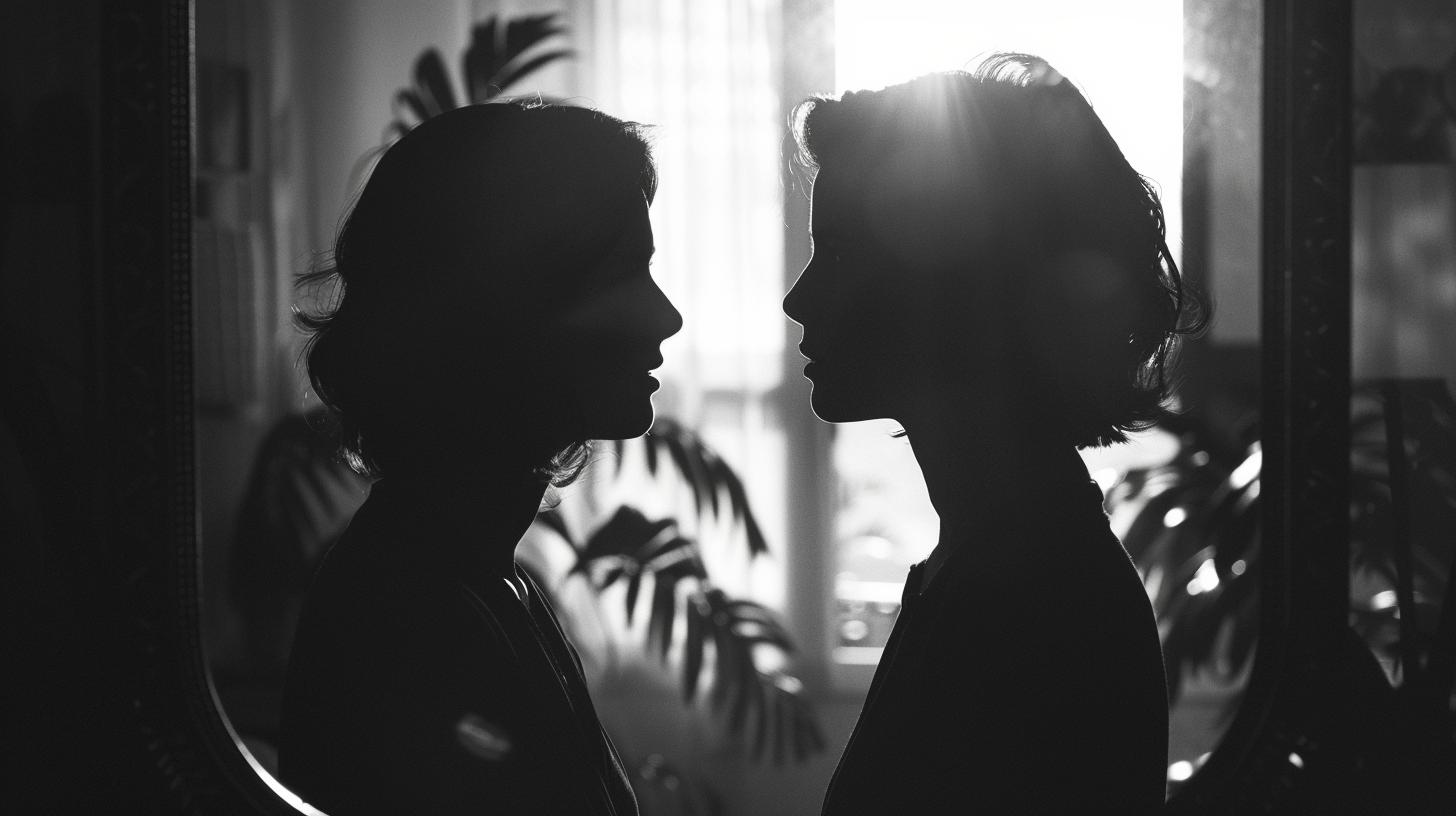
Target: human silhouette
<point>990,272</point>
<point>497,312</point>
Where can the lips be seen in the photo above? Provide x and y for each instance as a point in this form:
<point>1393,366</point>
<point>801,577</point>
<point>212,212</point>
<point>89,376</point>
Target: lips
<point>625,365</point>
<point>642,360</point>
<point>645,368</point>
<point>811,360</point>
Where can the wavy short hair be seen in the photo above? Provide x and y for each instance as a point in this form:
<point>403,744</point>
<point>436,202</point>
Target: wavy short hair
<point>1029,180</point>
<point>447,204</point>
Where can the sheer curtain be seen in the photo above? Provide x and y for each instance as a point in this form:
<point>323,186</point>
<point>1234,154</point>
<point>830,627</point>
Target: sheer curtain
<point>705,77</point>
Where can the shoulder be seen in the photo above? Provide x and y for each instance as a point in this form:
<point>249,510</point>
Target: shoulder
<point>382,617</point>
<point>1050,587</point>
<point>1024,552</point>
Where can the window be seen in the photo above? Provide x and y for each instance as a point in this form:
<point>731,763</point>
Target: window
<point>703,75</point>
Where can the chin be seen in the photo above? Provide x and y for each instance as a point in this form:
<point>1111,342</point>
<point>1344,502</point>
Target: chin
<point>617,408</point>
<point>621,421</point>
<point>833,405</point>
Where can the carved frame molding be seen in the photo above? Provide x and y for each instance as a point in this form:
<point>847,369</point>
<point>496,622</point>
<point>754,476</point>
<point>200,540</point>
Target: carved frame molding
<point>1288,749</point>
<point>144,386</point>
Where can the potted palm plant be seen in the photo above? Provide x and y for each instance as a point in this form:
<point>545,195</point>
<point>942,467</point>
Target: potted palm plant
<point>1197,539</point>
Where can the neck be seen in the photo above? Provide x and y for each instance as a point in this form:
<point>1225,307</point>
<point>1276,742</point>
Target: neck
<point>478,514</point>
<point>977,462</point>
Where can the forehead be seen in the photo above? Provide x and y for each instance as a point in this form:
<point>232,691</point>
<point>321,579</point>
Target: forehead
<point>635,229</point>
<point>835,205</point>
<point>588,218</point>
<point>912,204</point>
<point>856,196</point>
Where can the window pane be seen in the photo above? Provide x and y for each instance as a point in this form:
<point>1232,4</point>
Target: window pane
<point>701,75</point>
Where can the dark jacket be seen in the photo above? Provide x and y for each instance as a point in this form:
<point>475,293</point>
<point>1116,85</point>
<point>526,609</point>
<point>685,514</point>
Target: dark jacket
<point>1026,678</point>
<point>416,686</point>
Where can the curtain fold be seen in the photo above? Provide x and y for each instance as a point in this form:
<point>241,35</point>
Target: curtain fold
<point>705,77</point>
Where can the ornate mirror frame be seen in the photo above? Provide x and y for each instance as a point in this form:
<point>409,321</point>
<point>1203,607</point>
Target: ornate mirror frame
<point>1286,747</point>
<point>144,388</point>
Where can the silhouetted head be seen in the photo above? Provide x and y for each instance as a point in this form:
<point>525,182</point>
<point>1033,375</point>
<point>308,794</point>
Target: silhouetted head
<point>495,305</point>
<point>982,232</point>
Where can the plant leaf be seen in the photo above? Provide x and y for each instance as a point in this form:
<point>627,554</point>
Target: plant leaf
<point>738,501</point>
<point>432,84</point>
<point>651,442</point>
<point>634,585</point>
<point>610,577</point>
<point>619,449</point>
<point>628,533</point>
<point>663,612</point>
<point>514,72</point>
<point>413,105</point>
<point>556,523</point>
<point>522,33</point>
<point>696,639</point>
<point>479,63</point>
<point>692,469</point>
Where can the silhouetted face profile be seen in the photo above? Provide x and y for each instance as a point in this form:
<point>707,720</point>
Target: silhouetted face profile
<point>497,299</point>
<point>899,300</point>
<point>864,315</point>
<point>599,350</point>
<point>983,250</point>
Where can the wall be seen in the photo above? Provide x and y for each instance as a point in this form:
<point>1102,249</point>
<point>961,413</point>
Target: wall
<point>323,77</point>
<point>69,733</point>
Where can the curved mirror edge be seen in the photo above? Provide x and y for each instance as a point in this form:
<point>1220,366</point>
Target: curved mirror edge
<point>194,722</point>
<point>145,376</point>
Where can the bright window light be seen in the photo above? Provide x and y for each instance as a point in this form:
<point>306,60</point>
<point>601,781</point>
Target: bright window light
<point>1125,55</point>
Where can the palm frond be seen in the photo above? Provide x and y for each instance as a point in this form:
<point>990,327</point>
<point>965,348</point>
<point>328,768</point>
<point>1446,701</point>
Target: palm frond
<point>517,69</point>
<point>432,84</point>
<point>521,33</point>
<point>712,481</point>
<point>477,64</point>
<point>664,605</point>
<point>1216,629</point>
<point>553,520</point>
<point>628,536</point>
<point>497,56</point>
<point>500,54</point>
<point>630,547</point>
<point>693,647</point>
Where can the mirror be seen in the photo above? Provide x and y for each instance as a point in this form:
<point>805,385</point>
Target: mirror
<point>229,161</point>
<point>283,136</point>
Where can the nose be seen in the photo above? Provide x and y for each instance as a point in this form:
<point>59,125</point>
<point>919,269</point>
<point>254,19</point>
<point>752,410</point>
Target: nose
<point>797,298</point>
<point>666,319</point>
